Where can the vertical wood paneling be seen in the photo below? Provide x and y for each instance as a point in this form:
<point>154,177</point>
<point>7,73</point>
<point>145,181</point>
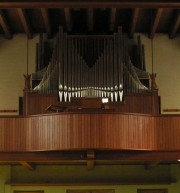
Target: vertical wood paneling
<point>73,131</point>
<point>134,103</point>
<point>2,134</point>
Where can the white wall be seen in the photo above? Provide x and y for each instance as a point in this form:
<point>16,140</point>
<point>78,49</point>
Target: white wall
<point>13,62</point>
<point>167,66</point>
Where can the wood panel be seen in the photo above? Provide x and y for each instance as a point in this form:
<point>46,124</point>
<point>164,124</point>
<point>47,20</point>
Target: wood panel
<point>92,191</point>
<point>152,191</point>
<point>78,131</point>
<point>38,103</point>
<point>88,3</point>
<point>27,191</point>
<point>143,103</point>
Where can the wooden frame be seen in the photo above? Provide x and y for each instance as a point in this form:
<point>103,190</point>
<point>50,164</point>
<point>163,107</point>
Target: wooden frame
<point>152,191</point>
<point>92,191</point>
<point>27,191</point>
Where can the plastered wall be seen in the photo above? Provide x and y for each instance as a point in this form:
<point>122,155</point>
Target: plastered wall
<point>6,174</point>
<point>13,65</point>
<point>166,64</point>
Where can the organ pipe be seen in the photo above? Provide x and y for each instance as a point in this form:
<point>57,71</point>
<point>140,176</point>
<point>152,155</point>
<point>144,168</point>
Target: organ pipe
<point>91,66</point>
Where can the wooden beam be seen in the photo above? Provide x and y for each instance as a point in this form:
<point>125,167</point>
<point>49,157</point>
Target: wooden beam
<point>171,110</point>
<point>8,111</point>
<point>89,4</point>
<point>5,26</point>
<point>104,183</point>
<point>82,156</point>
<point>138,155</point>
<point>112,20</point>
<point>27,165</point>
<point>47,23</point>
<point>90,159</point>
<point>25,22</point>
<point>90,18</point>
<point>44,156</point>
<point>134,20</point>
<point>175,25</point>
<point>68,18</point>
<point>155,22</point>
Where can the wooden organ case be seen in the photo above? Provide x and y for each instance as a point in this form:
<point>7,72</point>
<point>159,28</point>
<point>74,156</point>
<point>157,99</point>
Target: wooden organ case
<point>84,69</point>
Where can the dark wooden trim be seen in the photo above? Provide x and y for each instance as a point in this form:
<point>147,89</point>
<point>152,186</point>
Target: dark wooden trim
<point>171,110</point>
<point>152,191</point>
<point>90,3</point>
<point>92,183</point>
<point>91,191</point>
<point>80,156</point>
<point>28,191</point>
<point>9,111</point>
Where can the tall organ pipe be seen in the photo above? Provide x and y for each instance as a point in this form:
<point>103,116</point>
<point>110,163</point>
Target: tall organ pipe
<point>91,66</point>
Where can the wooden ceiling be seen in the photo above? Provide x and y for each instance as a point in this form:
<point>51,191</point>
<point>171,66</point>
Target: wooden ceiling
<point>90,17</point>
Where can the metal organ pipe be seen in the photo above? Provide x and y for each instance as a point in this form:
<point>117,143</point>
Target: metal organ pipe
<point>92,66</point>
<point>88,66</point>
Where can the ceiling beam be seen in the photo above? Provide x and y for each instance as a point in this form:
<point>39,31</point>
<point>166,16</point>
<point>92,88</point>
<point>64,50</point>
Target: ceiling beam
<point>90,18</point>
<point>89,4</point>
<point>176,24</point>
<point>82,156</point>
<point>155,22</point>
<point>68,18</point>
<point>134,20</point>
<point>5,26</point>
<point>25,22</point>
<point>27,165</point>
<point>47,23</point>
<point>138,155</point>
<point>112,20</point>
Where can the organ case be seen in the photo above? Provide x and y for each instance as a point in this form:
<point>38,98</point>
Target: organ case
<point>94,66</point>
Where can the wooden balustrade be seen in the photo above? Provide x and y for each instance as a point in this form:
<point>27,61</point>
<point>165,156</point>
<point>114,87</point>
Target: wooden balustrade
<point>78,131</point>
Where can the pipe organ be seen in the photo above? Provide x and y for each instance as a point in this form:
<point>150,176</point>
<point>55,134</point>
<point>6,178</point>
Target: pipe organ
<point>91,66</point>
